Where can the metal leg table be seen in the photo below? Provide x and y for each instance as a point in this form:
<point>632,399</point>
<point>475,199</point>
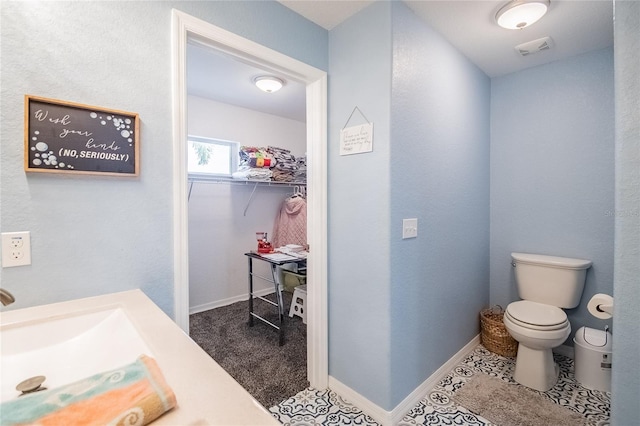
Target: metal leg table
<point>278,304</point>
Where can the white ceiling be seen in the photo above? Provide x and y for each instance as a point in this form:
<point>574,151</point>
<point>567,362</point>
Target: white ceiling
<point>214,75</point>
<point>576,26</point>
<point>326,13</point>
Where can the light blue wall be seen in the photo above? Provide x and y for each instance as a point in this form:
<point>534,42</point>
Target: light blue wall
<point>440,175</point>
<point>358,197</point>
<point>95,235</point>
<point>409,304</point>
<point>552,172</point>
<point>625,391</point>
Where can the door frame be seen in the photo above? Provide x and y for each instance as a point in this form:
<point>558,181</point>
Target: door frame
<point>184,27</point>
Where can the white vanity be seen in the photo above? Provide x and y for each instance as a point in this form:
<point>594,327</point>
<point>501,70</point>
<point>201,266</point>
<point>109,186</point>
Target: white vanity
<point>71,340</point>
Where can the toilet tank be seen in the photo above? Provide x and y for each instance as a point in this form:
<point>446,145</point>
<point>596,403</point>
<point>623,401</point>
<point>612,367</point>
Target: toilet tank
<point>552,280</point>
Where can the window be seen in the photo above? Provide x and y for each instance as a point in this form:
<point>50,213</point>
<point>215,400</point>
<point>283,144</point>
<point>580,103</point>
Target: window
<point>211,157</point>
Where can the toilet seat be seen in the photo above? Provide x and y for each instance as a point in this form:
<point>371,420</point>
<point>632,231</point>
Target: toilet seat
<point>536,316</point>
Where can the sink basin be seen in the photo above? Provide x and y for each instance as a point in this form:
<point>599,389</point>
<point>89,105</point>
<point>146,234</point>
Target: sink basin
<point>67,348</point>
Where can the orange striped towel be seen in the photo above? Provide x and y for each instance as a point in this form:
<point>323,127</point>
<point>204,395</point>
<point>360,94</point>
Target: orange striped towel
<point>135,394</point>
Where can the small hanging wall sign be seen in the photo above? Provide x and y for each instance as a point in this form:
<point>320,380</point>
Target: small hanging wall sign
<point>356,139</point>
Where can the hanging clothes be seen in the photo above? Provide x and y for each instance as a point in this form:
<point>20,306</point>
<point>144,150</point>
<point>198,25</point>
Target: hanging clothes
<point>290,226</point>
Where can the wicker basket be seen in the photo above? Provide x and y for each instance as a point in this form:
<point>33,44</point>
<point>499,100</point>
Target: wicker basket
<point>494,335</point>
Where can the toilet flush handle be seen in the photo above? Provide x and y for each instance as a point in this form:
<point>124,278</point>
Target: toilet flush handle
<point>513,264</point>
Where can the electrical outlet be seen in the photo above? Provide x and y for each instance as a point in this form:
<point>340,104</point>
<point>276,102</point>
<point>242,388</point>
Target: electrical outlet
<point>16,249</point>
<point>409,228</point>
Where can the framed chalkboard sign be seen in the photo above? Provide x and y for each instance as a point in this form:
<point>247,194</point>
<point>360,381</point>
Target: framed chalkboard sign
<point>66,137</point>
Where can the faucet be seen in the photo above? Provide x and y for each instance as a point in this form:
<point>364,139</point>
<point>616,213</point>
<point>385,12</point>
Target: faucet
<point>6,298</point>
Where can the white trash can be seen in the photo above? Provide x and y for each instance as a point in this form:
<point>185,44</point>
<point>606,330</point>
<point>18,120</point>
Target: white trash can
<point>592,358</point>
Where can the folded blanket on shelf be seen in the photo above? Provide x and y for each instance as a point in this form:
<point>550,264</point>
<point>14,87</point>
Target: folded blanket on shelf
<point>285,161</point>
<point>256,157</point>
<point>240,175</point>
<point>246,173</point>
<point>135,394</point>
<point>281,176</point>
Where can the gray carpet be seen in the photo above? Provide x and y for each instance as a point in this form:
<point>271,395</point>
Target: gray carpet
<point>510,404</point>
<point>251,355</point>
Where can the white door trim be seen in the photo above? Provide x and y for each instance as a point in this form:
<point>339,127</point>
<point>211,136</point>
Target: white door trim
<point>186,27</point>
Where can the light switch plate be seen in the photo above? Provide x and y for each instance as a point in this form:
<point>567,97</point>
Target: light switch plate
<point>16,249</point>
<point>409,228</point>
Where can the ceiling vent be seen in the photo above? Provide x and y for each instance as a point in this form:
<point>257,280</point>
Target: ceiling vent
<point>535,46</point>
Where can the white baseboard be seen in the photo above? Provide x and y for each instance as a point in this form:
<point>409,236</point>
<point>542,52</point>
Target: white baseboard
<point>390,418</point>
<point>421,391</point>
<point>377,413</point>
<point>224,302</point>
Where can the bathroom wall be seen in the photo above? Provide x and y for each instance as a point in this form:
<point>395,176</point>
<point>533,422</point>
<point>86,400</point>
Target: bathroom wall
<point>219,230</point>
<point>439,175</point>
<point>409,304</point>
<point>359,190</point>
<point>552,172</point>
<point>94,235</point>
<point>626,342</point>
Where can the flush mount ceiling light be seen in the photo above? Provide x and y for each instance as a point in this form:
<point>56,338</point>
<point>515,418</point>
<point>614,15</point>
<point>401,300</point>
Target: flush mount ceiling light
<point>268,83</point>
<point>518,14</point>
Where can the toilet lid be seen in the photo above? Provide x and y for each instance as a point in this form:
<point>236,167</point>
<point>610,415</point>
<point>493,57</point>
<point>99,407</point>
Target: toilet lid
<point>537,314</point>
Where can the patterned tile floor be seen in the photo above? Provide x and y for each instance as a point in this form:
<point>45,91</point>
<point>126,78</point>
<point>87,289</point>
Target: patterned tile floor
<point>315,407</point>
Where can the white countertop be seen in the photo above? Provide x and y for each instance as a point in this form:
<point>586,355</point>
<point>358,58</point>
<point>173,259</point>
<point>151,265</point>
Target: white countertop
<point>206,394</point>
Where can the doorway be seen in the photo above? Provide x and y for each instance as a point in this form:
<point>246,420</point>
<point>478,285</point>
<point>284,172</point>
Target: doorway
<point>185,27</point>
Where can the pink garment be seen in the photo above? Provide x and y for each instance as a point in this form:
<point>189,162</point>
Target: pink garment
<point>290,226</point>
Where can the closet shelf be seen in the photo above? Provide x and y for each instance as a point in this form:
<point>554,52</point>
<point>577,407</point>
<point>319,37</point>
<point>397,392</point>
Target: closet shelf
<point>230,181</point>
<point>255,184</point>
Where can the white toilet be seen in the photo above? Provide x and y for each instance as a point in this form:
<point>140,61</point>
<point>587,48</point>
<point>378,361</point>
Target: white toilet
<point>546,284</point>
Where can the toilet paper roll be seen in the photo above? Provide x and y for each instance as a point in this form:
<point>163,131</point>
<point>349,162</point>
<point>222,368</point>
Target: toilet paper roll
<point>600,299</point>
